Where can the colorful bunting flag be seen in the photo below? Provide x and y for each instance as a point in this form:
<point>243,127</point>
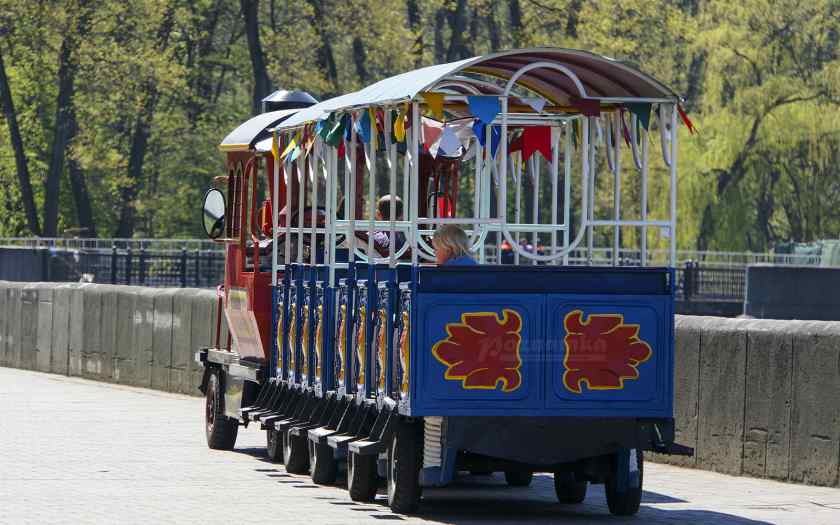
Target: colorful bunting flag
<point>432,131</point>
<point>275,147</point>
<point>399,125</point>
<point>536,103</point>
<point>642,112</point>
<point>484,108</point>
<point>536,138</point>
<point>685,120</point>
<point>479,129</point>
<point>435,103</point>
<point>449,143</point>
<point>333,136</point>
<point>363,127</point>
<point>624,130</point>
<point>590,108</point>
<point>290,146</point>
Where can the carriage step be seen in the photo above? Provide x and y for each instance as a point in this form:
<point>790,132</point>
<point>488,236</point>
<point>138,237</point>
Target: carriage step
<point>301,429</point>
<point>340,442</point>
<point>364,447</point>
<point>319,435</point>
<point>285,424</point>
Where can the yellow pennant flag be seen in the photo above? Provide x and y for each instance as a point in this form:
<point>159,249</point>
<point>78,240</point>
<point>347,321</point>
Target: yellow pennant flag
<point>289,148</point>
<point>399,125</point>
<point>275,147</point>
<point>435,103</point>
<point>374,130</point>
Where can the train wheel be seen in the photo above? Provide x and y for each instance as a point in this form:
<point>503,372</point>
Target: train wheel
<point>519,479</point>
<point>322,463</point>
<point>274,445</point>
<point>295,453</point>
<point>361,477</point>
<point>569,489</point>
<point>626,503</point>
<point>221,430</point>
<point>405,459</point>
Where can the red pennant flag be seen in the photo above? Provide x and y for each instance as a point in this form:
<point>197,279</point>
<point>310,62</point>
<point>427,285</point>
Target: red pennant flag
<point>516,144</point>
<point>684,117</point>
<point>625,130</point>
<point>341,150</point>
<point>589,108</point>
<point>536,138</point>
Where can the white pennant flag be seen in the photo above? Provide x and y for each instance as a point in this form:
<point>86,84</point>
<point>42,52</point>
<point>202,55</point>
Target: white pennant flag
<point>536,103</point>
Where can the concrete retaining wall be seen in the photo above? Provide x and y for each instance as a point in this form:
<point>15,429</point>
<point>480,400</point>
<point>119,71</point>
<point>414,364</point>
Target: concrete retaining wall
<point>123,334</point>
<point>753,397</point>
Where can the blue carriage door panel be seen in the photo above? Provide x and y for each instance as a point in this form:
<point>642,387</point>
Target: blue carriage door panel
<point>477,352</point>
<point>609,353</point>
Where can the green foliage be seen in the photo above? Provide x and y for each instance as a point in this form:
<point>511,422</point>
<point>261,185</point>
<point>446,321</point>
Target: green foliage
<point>760,78</point>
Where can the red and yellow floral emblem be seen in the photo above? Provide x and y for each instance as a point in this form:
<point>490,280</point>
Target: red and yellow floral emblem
<point>482,350</point>
<point>601,352</point>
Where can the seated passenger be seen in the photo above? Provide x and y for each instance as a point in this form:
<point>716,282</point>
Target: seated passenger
<point>382,239</point>
<point>452,247</point>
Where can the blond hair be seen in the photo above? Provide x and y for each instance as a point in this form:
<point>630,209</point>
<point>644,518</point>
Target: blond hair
<point>453,238</point>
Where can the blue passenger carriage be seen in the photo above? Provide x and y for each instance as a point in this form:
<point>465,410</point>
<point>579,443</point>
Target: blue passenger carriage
<point>554,353</point>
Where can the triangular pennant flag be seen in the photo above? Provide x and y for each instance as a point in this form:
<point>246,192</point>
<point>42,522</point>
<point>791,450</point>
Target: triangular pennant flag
<point>399,126</point>
<point>289,147</point>
<point>624,130</point>
<point>479,128</point>
<point>432,131</point>
<point>463,130</point>
<point>449,143</point>
<point>341,150</point>
<point>484,108</point>
<point>347,124</point>
<point>684,117</point>
<point>334,135</point>
<point>641,110</point>
<point>516,144</point>
<point>536,103</point>
<point>374,129</point>
<point>435,103</point>
<point>536,138</point>
<point>295,154</point>
<point>275,147</point>
<point>590,108</point>
<point>363,126</point>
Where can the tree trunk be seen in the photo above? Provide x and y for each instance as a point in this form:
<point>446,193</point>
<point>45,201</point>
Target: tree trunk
<point>326,58</point>
<point>515,11</point>
<point>139,141</point>
<point>20,156</point>
<point>262,84</point>
<point>458,24</point>
<point>360,59</point>
<point>493,30</point>
<point>81,197</point>
<point>52,185</point>
<point>414,24</point>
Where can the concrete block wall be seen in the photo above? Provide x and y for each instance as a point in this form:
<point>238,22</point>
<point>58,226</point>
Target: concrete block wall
<point>759,397</point>
<point>753,397</point>
<point>123,334</point>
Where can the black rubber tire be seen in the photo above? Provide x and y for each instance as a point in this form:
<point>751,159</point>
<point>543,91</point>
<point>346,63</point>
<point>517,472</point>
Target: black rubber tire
<point>362,479</point>
<point>221,430</point>
<point>405,459</point>
<point>568,489</point>
<point>322,463</point>
<point>273,445</point>
<point>481,473</point>
<point>519,479</point>
<point>626,503</point>
<point>295,453</point>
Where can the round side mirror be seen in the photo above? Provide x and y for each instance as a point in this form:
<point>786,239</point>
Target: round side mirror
<point>213,214</point>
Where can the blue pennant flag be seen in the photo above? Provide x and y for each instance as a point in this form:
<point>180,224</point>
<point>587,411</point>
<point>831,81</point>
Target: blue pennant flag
<point>484,108</point>
<point>363,127</point>
<point>479,128</point>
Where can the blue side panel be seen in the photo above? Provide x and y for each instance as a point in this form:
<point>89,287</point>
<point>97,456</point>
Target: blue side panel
<point>486,380</point>
<point>609,355</point>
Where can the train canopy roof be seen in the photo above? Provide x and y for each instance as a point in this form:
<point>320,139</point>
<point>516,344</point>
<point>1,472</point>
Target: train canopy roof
<point>252,130</point>
<point>599,78</point>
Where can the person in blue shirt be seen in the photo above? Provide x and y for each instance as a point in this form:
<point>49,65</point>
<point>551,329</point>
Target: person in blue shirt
<point>452,247</point>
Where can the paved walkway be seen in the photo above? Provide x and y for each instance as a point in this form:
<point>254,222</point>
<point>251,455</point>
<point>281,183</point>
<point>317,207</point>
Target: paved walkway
<point>76,451</point>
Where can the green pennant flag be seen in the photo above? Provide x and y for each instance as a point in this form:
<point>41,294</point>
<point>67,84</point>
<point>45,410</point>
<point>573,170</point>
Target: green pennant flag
<point>642,112</point>
<point>335,134</point>
<point>324,127</point>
